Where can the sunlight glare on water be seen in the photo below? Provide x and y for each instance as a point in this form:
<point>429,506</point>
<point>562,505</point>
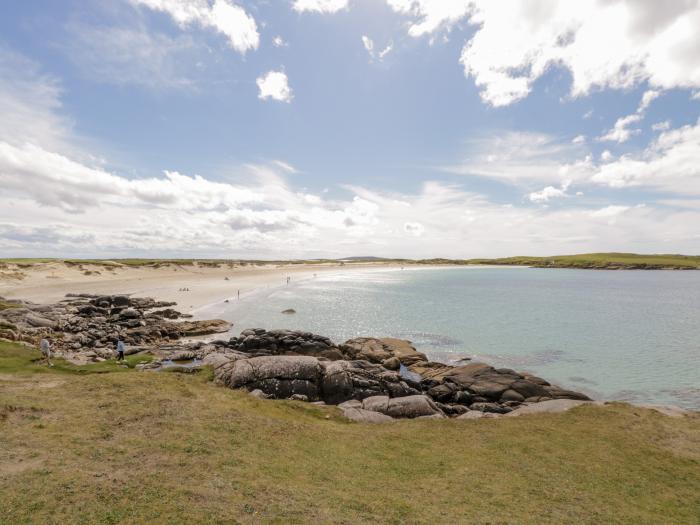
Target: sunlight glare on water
<point>629,335</point>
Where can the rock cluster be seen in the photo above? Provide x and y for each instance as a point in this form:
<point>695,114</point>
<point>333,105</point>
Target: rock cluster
<point>381,376</point>
<point>370,379</point>
<point>87,327</point>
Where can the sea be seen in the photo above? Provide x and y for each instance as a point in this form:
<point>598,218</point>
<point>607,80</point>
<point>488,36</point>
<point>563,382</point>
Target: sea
<point>615,335</point>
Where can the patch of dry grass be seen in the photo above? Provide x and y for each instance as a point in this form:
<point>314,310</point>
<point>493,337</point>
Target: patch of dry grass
<point>144,447</point>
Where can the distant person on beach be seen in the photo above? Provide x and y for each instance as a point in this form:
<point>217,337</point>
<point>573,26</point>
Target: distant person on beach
<point>239,295</point>
<point>45,347</point>
<point>120,350</point>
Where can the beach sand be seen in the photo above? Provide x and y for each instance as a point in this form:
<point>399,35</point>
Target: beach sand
<point>50,282</point>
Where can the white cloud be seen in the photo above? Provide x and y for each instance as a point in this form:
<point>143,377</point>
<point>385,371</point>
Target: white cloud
<point>670,163</point>
<point>609,211</point>
<point>521,156</point>
<point>621,132</point>
<point>93,212</point>
<point>661,126</point>
<point>579,139</point>
<point>274,85</point>
<point>30,103</point>
<point>431,15</point>
<point>606,156</point>
<point>384,52</point>
<point>224,16</point>
<point>368,44</point>
<point>319,6</point>
<point>550,192</point>
<point>278,41</point>
<point>612,44</point>
<point>647,98</point>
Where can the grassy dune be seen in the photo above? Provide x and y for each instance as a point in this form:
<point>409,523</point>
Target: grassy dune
<point>596,261</point>
<point>113,445</point>
<point>602,261</point>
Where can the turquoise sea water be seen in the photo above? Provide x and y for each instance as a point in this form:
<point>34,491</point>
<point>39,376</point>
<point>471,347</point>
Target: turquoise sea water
<point>628,335</point>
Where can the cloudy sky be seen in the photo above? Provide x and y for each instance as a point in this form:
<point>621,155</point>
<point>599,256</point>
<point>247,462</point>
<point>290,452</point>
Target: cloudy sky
<point>332,128</point>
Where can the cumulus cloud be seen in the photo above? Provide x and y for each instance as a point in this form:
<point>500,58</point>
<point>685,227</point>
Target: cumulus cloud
<point>579,139</point>
<point>178,214</point>
<point>550,192</point>
<point>621,131</point>
<point>647,98</point>
<point>431,15</point>
<point>274,85</point>
<point>670,163</point>
<point>319,6</point>
<point>613,44</point>
<point>223,16</point>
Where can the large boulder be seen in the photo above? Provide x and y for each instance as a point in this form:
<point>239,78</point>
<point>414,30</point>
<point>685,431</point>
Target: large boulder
<point>258,341</point>
<point>343,380</point>
<point>39,321</point>
<point>197,328</point>
<point>409,407</point>
<point>360,415</point>
<point>277,376</point>
<point>412,407</point>
<point>377,350</point>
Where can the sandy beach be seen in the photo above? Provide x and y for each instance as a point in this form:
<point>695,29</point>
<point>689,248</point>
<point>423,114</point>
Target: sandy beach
<point>192,287</point>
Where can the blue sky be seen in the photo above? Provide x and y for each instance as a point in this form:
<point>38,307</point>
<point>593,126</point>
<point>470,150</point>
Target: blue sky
<point>314,128</point>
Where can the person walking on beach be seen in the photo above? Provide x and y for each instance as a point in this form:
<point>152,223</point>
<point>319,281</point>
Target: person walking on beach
<point>239,295</point>
<point>120,350</point>
<point>45,347</point>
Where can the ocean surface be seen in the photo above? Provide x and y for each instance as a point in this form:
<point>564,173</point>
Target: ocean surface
<point>624,335</point>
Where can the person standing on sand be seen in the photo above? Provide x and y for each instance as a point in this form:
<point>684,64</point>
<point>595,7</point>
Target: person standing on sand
<point>45,347</point>
<point>120,350</point>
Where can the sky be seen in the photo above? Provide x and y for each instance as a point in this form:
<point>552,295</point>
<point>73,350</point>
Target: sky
<point>285,129</point>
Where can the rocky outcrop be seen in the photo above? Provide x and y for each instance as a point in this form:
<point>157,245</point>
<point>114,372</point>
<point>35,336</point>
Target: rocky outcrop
<point>330,381</point>
<point>371,379</point>
<point>87,327</point>
<point>388,376</point>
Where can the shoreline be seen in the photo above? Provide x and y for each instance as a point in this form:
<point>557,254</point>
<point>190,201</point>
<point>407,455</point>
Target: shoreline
<point>206,286</point>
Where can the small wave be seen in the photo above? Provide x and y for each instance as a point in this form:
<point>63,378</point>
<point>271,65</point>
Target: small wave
<point>429,339</point>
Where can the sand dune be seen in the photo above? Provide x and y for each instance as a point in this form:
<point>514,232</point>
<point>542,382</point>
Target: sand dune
<point>50,282</point>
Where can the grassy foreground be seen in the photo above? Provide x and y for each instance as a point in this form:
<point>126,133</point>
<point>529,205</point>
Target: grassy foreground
<point>113,445</point>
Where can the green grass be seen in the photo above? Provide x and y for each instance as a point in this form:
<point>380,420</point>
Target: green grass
<point>601,261</point>
<point>23,361</point>
<point>26,260</point>
<point>4,305</point>
<point>143,447</point>
<point>608,260</point>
